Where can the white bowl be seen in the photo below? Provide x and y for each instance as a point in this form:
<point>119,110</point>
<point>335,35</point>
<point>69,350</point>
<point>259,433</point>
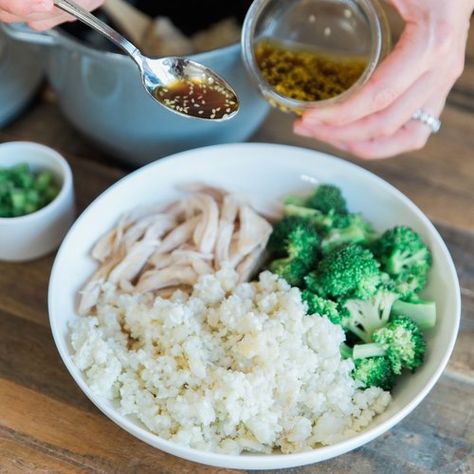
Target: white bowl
<point>265,173</point>
<point>34,235</point>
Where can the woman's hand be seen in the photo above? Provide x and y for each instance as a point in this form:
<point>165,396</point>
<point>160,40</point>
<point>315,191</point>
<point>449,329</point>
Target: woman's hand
<point>417,74</point>
<point>39,14</point>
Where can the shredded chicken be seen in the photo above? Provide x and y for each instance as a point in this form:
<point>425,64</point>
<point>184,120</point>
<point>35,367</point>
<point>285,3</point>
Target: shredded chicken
<point>250,263</point>
<point>230,209</point>
<point>177,237</point>
<point>252,231</point>
<point>205,233</point>
<point>110,243</point>
<point>161,250</point>
<point>89,295</point>
<point>170,276</point>
<point>132,264</point>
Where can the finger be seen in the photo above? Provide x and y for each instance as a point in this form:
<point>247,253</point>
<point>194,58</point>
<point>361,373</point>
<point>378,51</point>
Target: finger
<point>412,136</point>
<point>34,17</point>
<point>402,67</point>
<point>22,8</point>
<point>384,123</point>
<point>50,22</point>
<point>43,23</point>
<point>8,17</point>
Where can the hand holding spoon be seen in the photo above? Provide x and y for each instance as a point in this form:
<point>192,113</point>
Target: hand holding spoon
<point>179,84</point>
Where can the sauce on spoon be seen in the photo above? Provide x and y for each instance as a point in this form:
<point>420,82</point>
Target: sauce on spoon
<point>203,99</point>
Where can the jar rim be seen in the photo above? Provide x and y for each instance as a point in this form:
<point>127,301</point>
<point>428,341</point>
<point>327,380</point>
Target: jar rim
<point>379,36</point>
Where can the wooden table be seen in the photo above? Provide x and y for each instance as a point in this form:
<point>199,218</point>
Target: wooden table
<point>48,425</point>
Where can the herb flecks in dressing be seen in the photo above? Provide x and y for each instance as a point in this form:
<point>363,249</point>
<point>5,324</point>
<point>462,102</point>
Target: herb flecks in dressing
<point>306,75</point>
<point>202,99</point>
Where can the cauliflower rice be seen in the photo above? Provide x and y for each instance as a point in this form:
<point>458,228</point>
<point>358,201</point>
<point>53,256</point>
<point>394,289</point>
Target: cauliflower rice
<point>231,368</point>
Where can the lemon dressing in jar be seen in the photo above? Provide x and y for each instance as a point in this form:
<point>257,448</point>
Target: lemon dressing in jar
<point>308,53</point>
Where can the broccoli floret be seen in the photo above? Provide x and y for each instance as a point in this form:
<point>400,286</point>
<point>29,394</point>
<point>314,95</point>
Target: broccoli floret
<point>345,351</point>
<point>373,372</point>
<point>303,243</point>
<point>321,306</point>
<point>350,228</point>
<point>281,230</point>
<point>295,200</point>
<point>301,247</point>
<point>327,198</point>
<point>349,271</point>
<point>291,270</point>
<point>421,312</point>
<point>312,216</point>
<point>402,252</point>
<point>406,258</point>
<point>401,341</point>
<point>363,317</point>
<point>408,284</point>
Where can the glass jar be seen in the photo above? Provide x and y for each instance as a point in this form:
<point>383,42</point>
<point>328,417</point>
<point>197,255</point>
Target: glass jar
<point>348,31</point>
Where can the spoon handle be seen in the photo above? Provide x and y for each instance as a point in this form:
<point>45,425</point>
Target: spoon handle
<point>90,20</point>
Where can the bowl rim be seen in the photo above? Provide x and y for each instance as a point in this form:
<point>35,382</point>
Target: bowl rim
<point>54,157</point>
<point>60,37</point>
<point>255,461</point>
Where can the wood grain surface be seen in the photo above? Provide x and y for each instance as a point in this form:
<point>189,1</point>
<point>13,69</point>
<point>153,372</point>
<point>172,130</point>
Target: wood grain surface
<point>47,425</point>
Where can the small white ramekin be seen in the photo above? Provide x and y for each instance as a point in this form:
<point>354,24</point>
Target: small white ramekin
<point>34,235</point>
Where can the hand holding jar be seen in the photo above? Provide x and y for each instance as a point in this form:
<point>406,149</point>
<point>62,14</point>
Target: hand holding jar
<point>396,110</point>
<point>39,14</point>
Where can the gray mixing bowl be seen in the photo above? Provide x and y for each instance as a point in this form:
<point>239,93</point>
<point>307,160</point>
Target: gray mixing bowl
<point>21,71</point>
<point>101,94</point>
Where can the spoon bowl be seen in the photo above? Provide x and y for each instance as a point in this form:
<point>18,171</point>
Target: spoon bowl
<point>189,88</point>
<point>182,86</point>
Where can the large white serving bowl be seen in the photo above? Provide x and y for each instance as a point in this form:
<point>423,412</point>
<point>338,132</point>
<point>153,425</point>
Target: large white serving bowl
<point>264,173</point>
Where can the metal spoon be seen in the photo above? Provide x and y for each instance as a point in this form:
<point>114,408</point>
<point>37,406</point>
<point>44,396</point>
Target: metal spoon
<point>183,86</point>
